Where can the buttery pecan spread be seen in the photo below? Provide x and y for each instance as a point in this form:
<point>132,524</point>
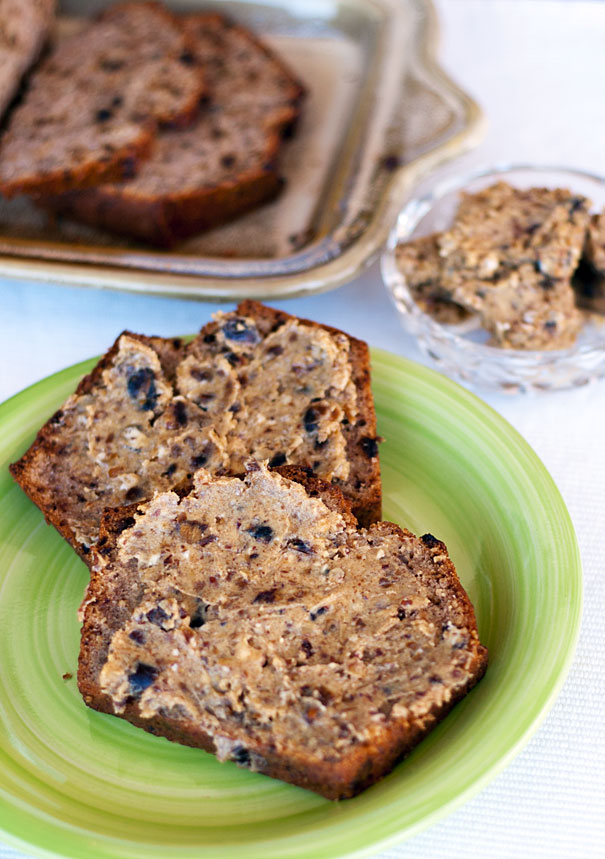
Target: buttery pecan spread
<point>253,619</point>
<point>253,382</point>
<point>509,256</point>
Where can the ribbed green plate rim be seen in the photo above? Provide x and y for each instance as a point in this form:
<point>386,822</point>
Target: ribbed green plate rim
<point>77,783</point>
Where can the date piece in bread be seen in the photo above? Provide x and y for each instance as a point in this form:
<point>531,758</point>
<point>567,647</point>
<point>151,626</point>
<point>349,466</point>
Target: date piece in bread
<point>255,381</point>
<point>92,107</point>
<point>252,619</point>
<point>223,166</point>
<point>509,255</point>
<point>24,29</point>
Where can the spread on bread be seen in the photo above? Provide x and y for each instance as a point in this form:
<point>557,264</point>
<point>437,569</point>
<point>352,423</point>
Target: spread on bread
<point>254,382</point>
<point>253,619</point>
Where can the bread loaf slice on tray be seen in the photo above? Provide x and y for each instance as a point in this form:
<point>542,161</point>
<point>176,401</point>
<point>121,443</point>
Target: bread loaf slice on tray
<point>91,109</point>
<point>223,166</point>
<point>24,29</point>
<point>255,381</point>
<point>252,619</point>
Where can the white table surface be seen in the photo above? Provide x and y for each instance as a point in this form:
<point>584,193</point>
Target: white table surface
<point>538,69</point>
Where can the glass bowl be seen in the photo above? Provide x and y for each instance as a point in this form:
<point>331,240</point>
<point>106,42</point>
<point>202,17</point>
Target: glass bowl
<point>461,350</point>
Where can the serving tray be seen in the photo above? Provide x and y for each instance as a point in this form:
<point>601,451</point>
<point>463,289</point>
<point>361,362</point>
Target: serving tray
<point>380,113</point>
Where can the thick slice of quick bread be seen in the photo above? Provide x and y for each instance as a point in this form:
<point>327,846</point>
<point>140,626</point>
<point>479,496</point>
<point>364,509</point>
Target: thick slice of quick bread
<point>252,619</point>
<point>92,107</point>
<point>255,381</point>
<point>223,166</point>
<point>24,28</point>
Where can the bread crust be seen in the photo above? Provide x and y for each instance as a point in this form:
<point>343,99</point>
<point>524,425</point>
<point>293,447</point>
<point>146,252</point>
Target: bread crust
<point>116,167</point>
<point>106,608</point>
<point>164,221</point>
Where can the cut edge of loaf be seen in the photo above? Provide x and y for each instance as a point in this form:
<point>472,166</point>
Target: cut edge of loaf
<point>119,165</point>
<point>167,220</point>
<point>188,112</point>
<point>343,780</point>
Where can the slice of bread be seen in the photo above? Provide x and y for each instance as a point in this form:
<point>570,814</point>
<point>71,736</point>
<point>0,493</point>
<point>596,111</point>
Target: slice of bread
<point>319,375</point>
<point>222,167</point>
<point>24,29</point>
<point>251,619</point>
<point>91,109</point>
<point>255,381</point>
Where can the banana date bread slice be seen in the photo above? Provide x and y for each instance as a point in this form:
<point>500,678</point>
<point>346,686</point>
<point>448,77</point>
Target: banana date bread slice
<point>223,166</point>
<point>91,109</point>
<point>24,28</point>
<point>252,619</point>
<point>255,381</point>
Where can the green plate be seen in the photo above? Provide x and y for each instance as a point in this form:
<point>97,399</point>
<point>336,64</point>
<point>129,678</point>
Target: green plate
<point>77,783</point>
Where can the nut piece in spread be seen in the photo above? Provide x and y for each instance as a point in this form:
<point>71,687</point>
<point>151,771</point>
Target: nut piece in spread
<point>251,618</point>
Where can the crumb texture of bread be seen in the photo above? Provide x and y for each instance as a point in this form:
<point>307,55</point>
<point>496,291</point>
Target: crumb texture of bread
<point>24,29</point>
<point>509,257</point>
<point>92,106</point>
<point>224,165</point>
<point>254,382</point>
<point>251,618</point>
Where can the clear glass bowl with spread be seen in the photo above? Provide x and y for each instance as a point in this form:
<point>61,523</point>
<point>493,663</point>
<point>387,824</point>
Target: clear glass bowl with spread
<point>461,349</point>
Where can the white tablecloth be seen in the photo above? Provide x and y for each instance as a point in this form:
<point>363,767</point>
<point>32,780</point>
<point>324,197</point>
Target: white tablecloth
<point>538,69</point>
